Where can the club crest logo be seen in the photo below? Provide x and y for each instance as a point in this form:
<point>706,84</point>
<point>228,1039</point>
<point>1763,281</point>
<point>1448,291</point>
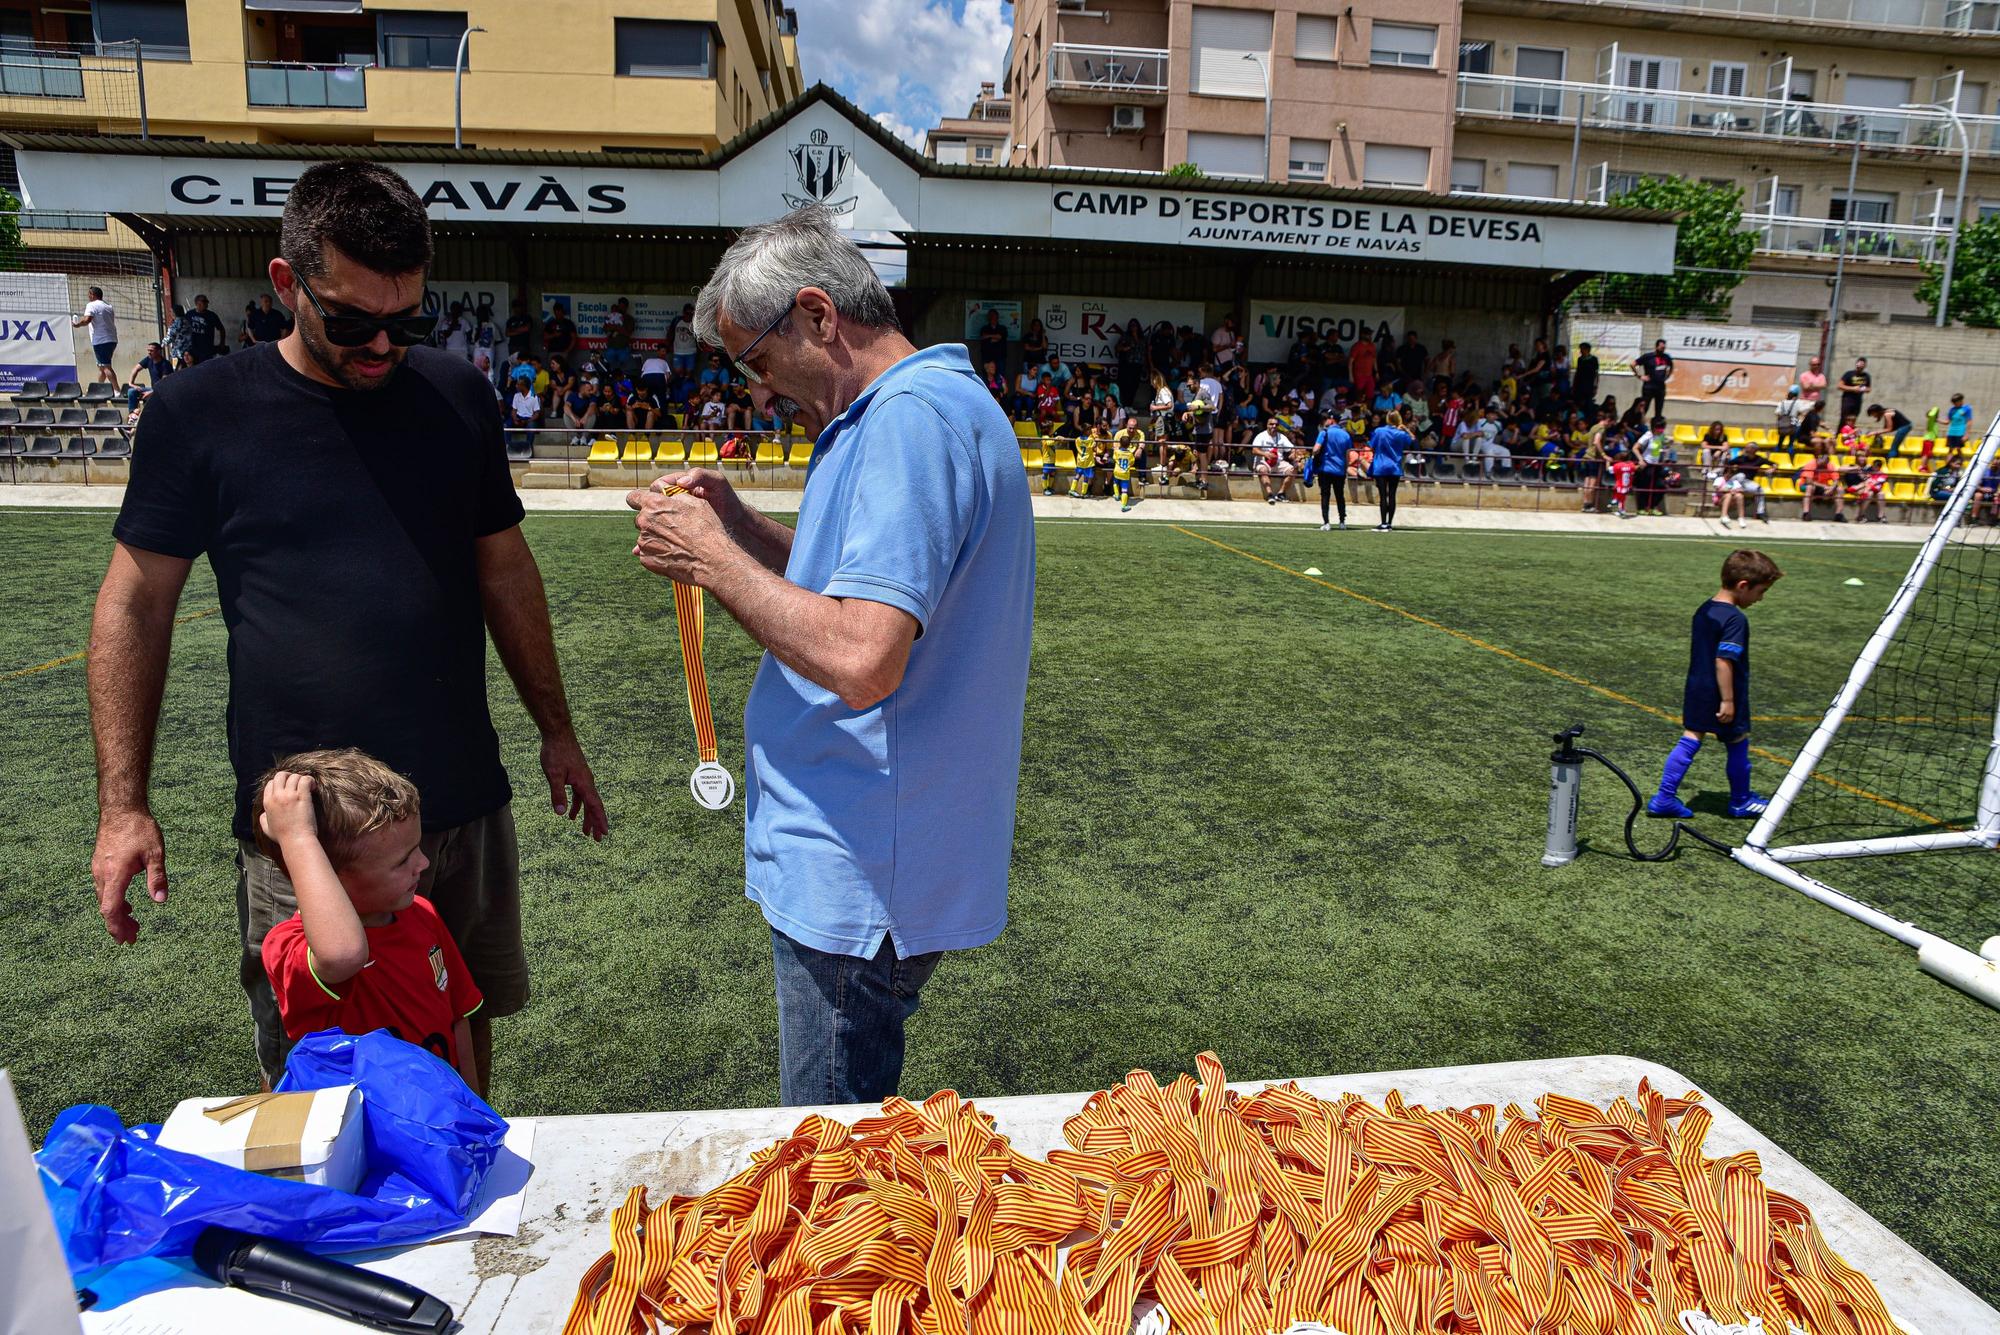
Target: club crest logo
<point>1055,318</point>
<point>821,167</point>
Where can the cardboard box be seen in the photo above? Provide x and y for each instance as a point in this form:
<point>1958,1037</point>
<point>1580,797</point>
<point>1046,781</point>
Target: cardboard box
<point>313,1136</point>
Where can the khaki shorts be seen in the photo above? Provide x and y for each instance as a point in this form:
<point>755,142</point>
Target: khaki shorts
<point>474,881</point>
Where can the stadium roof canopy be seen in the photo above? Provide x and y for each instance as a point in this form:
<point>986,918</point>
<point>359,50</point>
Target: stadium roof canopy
<point>822,149</point>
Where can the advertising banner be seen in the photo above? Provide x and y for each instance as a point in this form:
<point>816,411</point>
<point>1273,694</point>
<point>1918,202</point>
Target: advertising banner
<point>1010,318</point>
<point>652,315</point>
<point>35,341</point>
<point>1731,363</point>
<point>1276,325</point>
<point>1085,329</point>
<point>1615,343</point>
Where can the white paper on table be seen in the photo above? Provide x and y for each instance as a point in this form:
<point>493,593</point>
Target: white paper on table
<point>496,1211</point>
<point>33,1275</point>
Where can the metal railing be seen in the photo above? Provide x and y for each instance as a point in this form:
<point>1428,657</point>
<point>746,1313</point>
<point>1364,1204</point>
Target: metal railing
<point>1958,17</point>
<point>106,85</point>
<point>1674,111</point>
<point>283,84</point>
<point>1821,237</point>
<point>1110,71</point>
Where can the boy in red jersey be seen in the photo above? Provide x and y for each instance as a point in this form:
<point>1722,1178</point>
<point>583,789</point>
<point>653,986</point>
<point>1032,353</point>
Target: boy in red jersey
<point>1623,467</point>
<point>364,951</point>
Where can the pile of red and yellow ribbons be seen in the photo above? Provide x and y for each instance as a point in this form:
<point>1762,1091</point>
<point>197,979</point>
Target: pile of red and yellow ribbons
<point>1239,1215</point>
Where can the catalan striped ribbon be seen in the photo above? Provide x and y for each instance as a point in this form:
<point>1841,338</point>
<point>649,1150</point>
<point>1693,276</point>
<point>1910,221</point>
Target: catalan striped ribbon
<point>1239,1215</point>
<point>689,614</point>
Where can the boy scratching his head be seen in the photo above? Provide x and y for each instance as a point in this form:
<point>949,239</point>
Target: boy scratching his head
<point>1717,698</point>
<point>364,951</point>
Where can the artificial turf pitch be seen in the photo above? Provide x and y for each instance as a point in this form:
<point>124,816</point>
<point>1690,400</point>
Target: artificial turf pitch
<point>1259,813</point>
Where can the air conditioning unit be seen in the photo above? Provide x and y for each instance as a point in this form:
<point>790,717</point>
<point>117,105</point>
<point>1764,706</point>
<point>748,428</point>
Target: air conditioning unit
<point>1128,116</point>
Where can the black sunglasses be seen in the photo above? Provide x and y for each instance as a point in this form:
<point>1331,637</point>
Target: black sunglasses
<point>358,331</point>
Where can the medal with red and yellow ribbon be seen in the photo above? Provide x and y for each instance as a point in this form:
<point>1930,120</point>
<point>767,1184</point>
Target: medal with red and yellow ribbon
<point>712,785</point>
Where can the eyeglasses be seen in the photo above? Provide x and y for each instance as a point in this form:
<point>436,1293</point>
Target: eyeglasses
<point>737,360</point>
<point>358,331</point>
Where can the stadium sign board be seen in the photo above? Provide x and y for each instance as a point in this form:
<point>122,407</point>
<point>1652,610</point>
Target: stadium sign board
<point>35,341</point>
<point>823,154</point>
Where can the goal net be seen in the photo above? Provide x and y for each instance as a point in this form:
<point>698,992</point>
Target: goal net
<point>1893,805</point>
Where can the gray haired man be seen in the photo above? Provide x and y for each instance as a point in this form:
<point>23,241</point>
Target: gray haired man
<point>883,733</point>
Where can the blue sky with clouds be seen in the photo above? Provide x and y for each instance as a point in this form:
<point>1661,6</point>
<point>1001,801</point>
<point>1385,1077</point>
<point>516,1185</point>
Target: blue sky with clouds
<point>907,62</point>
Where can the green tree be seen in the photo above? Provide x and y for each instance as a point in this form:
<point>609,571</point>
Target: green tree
<point>1711,251</point>
<point>10,233</point>
<point>1183,171</point>
<point>1975,276</point>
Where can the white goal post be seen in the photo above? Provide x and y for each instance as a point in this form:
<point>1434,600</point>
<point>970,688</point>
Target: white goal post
<point>1976,974</point>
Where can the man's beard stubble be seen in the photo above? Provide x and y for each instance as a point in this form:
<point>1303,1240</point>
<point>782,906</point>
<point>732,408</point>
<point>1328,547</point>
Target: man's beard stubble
<point>333,360</point>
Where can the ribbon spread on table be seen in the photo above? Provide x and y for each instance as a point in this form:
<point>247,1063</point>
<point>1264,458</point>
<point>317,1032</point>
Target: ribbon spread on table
<point>1239,1215</point>
<point>711,784</point>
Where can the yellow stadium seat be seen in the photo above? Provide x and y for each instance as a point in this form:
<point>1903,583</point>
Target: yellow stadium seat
<point>1762,435</point>
<point>740,461</point>
<point>604,451</point>
<point>671,452</point>
<point>1902,467</point>
<point>1685,434</point>
<point>1026,431</point>
<point>770,454</point>
<point>1782,488</point>
<point>1065,457</point>
<point>702,454</point>
<point>802,452</point>
<point>1735,435</point>
<point>1906,492</point>
<point>638,452</point>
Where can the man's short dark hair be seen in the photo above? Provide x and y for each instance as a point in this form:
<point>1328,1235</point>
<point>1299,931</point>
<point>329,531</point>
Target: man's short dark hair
<point>361,209</point>
<point>97,294</point>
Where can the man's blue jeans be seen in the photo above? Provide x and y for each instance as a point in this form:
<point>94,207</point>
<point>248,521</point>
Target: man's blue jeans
<point>840,1021</point>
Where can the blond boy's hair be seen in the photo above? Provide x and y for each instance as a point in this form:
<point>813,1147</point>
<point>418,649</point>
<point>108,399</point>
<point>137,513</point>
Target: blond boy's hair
<point>354,795</point>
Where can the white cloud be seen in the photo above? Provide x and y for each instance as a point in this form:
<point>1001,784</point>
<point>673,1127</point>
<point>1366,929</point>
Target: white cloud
<point>906,61</point>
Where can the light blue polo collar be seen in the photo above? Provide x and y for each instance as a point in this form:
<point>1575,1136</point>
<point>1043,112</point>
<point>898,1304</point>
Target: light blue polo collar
<point>945,356</point>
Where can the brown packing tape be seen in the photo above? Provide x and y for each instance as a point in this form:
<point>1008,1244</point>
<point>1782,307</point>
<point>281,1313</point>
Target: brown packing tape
<point>275,1131</point>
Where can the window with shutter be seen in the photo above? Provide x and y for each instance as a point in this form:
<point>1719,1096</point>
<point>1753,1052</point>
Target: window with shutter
<point>1402,44</point>
<point>1306,160</point>
<point>1535,180</point>
<point>1468,176</point>
<point>1727,79</point>
<point>1314,37</point>
<point>1222,39</point>
<point>1239,155</point>
<point>1398,165</point>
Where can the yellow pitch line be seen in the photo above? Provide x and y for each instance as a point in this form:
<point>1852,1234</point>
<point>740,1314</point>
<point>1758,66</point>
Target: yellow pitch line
<point>79,657</point>
<point>1556,672</point>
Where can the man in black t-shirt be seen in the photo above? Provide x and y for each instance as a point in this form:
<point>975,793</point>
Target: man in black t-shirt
<point>520,330</point>
<point>350,490</point>
<point>1654,369</point>
<point>210,339</point>
<point>1854,387</point>
<point>1583,382</point>
<point>993,341</point>
<point>558,333</point>
<point>267,323</point>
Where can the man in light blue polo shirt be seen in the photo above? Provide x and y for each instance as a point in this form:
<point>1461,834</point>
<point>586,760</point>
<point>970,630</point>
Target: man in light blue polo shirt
<point>883,733</point>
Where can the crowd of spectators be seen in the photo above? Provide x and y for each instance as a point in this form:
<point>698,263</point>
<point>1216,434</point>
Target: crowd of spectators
<point>1538,416</point>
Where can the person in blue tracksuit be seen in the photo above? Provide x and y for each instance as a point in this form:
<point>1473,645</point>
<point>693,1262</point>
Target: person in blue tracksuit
<point>1389,442</point>
<point>1717,698</point>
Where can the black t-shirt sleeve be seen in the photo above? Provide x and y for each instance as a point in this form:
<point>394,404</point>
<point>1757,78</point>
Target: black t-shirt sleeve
<point>168,505</point>
<point>497,507</point>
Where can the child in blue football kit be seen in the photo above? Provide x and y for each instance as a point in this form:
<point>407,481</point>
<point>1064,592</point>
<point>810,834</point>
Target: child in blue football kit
<point>1717,698</point>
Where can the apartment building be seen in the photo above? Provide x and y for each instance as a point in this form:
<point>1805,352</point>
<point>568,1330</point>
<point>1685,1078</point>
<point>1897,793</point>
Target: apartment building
<point>1782,99</point>
<point>1307,90</point>
<point>1556,99</point>
<point>582,74</point>
<point>978,137</point>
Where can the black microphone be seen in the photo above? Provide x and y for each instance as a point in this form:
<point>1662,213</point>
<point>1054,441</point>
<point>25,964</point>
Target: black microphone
<point>281,1270</point>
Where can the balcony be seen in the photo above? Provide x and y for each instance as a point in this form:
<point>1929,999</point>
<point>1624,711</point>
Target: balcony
<point>1555,102</point>
<point>1936,18</point>
<point>1819,238</point>
<point>283,84</point>
<point>31,73</point>
<point>1079,73</point>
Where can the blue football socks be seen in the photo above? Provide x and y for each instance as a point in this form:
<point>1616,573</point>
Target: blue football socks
<point>1678,761</point>
<point>1737,766</point>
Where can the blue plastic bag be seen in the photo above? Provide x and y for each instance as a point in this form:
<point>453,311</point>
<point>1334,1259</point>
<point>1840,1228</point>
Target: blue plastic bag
<point>117,1195</point>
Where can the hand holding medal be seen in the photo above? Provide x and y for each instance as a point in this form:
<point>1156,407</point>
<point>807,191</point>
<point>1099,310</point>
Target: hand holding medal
<point>711,785</point>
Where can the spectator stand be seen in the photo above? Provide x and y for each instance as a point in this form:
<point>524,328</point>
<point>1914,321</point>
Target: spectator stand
<point>65,432</point>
